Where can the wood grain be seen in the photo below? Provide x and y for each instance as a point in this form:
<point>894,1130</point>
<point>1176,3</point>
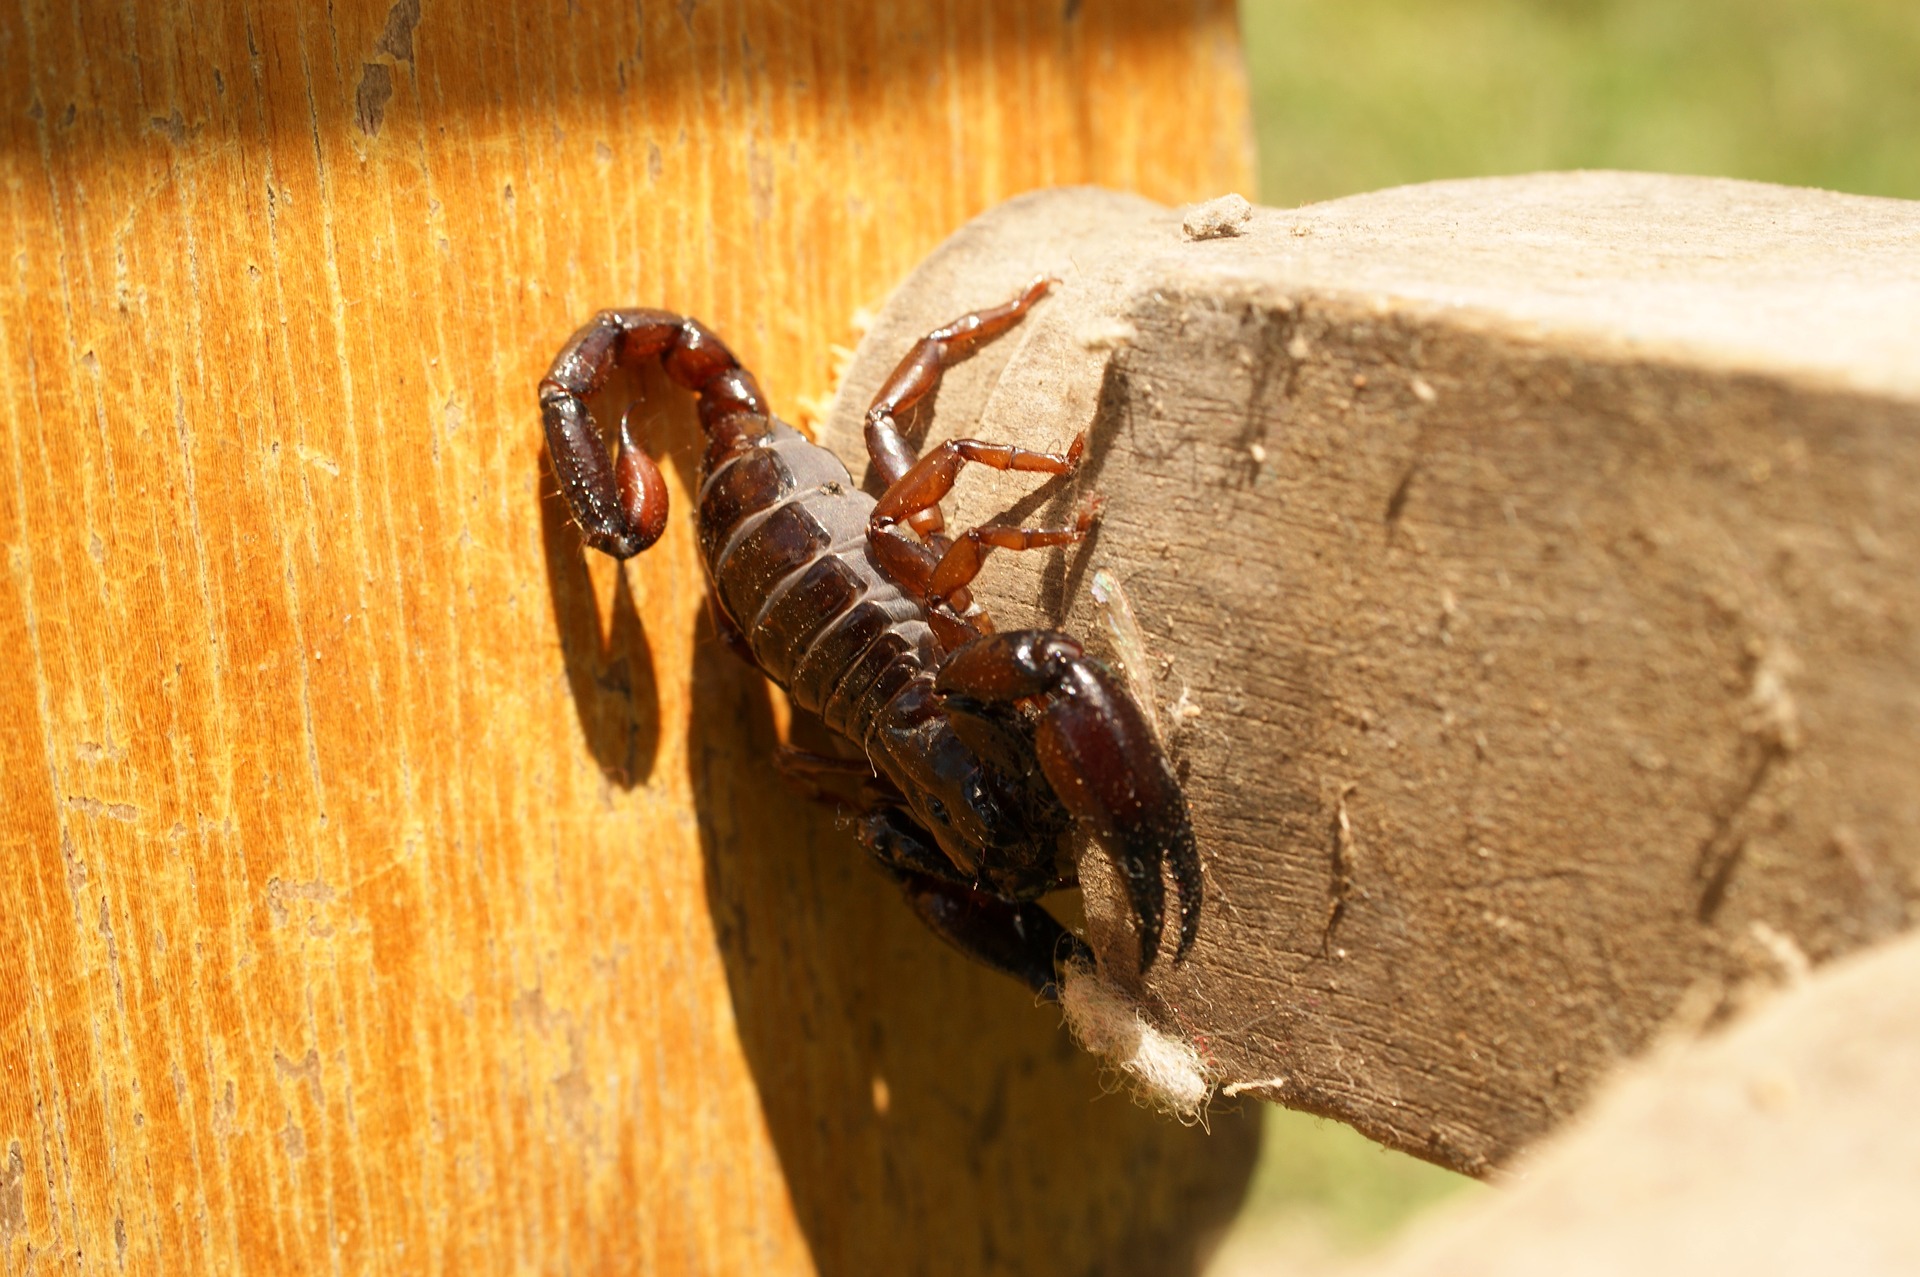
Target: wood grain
<point>384,885</point>
<point>1531,574</point>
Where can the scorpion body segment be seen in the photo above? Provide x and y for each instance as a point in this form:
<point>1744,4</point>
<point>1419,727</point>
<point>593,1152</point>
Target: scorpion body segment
<point>784,533</point>
<point>985,748</point>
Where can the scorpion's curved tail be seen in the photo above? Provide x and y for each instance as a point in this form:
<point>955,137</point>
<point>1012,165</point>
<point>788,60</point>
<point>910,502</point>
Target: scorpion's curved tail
<point>621,506</point>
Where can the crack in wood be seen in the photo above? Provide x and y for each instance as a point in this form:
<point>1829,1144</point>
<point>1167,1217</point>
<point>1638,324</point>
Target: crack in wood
<point>1278,327</point>
<point>1723,849</point>
<point>1345,857</point>
<point>1397,503</point>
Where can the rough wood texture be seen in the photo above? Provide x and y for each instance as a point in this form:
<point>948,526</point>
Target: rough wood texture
<point>1537,565</point>
<point>384,885</point>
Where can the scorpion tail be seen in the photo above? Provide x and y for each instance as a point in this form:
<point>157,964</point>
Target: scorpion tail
<point>622,507</point>
<point>1104,762</point>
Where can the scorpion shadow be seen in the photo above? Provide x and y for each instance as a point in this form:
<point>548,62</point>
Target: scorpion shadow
<point>612,679</point>
<point>927,1115</point>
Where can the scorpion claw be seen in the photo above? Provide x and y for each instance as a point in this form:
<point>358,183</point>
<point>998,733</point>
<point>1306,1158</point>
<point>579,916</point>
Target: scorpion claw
<point>1104,762</point>
<point>1111,774</point>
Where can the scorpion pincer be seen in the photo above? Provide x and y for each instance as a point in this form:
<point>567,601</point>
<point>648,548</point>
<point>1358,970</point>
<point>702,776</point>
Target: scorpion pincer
<point>981,748</point>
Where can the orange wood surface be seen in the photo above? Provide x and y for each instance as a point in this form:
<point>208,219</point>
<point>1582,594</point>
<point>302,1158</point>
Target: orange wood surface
<point>385,886</point>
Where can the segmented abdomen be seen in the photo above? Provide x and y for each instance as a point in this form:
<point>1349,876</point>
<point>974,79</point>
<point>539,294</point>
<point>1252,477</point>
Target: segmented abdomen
<point>784,534</point>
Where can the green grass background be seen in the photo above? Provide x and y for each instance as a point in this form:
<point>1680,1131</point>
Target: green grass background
<point>1354,95</point>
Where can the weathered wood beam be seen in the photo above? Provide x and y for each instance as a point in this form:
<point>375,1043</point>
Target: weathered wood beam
<point>1531,574</point>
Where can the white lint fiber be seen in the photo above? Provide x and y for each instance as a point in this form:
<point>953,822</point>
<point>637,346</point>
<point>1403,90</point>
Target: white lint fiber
<point>1166,1070</point>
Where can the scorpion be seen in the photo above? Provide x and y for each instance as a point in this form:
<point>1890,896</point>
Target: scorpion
<point>980,749</point>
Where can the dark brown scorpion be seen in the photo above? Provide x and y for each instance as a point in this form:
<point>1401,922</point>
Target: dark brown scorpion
<point>983,746</point>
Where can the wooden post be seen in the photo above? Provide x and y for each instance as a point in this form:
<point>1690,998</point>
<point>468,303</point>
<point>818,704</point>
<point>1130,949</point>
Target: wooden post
<point>384,884</point>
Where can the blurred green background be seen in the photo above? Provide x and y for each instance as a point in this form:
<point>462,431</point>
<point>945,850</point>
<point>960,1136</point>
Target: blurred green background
<point>1354,95</point>
<point>1323,1196</point>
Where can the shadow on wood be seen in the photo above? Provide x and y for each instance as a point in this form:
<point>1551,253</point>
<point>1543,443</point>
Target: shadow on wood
<point>611,677</point>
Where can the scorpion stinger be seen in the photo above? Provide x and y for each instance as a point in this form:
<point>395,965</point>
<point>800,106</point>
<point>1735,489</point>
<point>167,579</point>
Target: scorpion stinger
<point>622,509</point>
<point>857,607</point>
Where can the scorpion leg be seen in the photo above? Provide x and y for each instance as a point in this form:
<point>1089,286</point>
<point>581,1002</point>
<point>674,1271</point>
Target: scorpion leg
<point>919,372</point>
<point>938,570</point>
<point>963,559</point>
<point>621,506</point>
<point>910,565</point>
<point>939,578</point>
<point>930,478</point>
<point>1018,938</point>
<point>804,770</point>
<point>918,493</point>
<point>798,764</point>
<point>1102,760</point>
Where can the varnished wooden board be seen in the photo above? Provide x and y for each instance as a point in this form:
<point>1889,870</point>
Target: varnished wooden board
<point>384,884</point>
<point>1529,571</point>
